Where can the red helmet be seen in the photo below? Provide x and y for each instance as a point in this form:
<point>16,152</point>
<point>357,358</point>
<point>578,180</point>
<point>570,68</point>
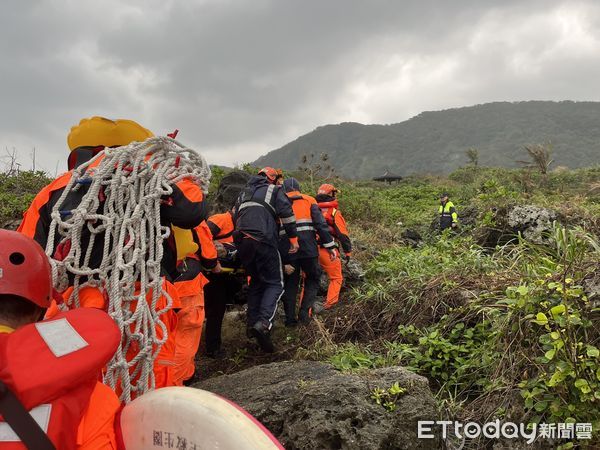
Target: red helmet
<point>327,189</point>
<point>24,269</point>
<point>271,174</point>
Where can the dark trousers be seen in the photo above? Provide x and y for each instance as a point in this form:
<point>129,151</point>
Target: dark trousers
<point>312,272</point>
<point>218,293</point>
<point>263,264</point>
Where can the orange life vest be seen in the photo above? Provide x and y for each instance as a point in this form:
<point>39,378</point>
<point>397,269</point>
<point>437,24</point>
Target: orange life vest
<point>52,367</point>
<point>329,209</point>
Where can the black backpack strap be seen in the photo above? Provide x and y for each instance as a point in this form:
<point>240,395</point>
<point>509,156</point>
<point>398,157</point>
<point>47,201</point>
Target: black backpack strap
<point>21,422</point>
<point>223,236</point>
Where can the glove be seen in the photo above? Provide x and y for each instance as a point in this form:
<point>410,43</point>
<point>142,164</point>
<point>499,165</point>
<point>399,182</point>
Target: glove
<point>454,225</point>
<point>288,269</point>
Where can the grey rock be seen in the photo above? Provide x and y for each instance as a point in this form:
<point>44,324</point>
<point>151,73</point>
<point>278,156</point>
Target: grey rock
<point>533,222</point>
<point>352,271</point>
<point>10,225</point>
<point>310,405</point>
<point>411,237</point>
<point>592,288</point>
<point>229,189</point>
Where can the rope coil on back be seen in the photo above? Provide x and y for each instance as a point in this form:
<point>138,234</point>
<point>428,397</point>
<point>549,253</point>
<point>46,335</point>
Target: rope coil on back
<point>125,187</point>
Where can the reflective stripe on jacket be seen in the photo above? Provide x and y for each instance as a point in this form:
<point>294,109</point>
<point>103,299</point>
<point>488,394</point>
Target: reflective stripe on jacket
<point>448,215</point>
<point>260,207</point>
<point>310,223</point>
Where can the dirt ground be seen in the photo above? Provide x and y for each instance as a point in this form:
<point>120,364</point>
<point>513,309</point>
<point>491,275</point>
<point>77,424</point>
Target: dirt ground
<point>242,352</point>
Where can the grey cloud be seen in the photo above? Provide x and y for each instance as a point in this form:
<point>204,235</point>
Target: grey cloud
<point>242,77</point>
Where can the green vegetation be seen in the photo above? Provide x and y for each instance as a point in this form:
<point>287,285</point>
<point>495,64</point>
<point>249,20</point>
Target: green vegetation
<point>437,141</point>
<point>17,191</point>
<point>388,397</point>
<point>501,326</point>
<point>508,330</point>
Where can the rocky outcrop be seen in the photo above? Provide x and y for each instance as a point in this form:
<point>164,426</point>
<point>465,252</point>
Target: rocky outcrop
<point>229,189</point>
<point>352,271</point>
<point>411,238</point>
<point>310,405</point>
<point>10,225</point>
<point>534,223</point>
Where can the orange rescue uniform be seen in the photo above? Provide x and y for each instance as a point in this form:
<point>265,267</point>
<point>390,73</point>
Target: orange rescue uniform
<point>333,269</point>
<point>190,316</point>
<point>185,208</point>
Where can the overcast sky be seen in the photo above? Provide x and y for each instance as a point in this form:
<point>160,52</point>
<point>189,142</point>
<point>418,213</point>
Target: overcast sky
<point>240,78</point>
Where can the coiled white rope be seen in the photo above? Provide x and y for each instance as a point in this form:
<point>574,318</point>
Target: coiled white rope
<point>132,181</point>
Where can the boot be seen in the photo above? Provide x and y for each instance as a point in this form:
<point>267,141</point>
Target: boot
<point>263,336</point>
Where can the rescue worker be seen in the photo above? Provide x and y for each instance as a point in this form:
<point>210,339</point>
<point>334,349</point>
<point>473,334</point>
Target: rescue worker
<point>310,223</point>
<point>447,212</point>
<point>50,368</point>
<point>327,201</point>
<point>223,286</point>
<point>190,313</point>
<point>260,207</point>
<point>185,208</point>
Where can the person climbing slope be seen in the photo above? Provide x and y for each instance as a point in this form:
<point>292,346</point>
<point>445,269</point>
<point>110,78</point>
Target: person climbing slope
<point>184,207</point>
<point>328,203</point>
<point>49,370</point>
<point>310,223</point>
<point>97,189</point>
<point>260,207</point>
<point>223,286</point>
<point>191,312</point>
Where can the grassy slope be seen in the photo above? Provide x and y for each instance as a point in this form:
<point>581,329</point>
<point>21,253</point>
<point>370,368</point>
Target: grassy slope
<point>505,332</point>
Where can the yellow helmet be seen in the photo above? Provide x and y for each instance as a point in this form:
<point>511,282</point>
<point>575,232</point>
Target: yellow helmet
<point>97,131</point>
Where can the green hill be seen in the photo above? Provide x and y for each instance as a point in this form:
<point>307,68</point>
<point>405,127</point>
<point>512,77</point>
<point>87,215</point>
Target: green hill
<point>435,142</point>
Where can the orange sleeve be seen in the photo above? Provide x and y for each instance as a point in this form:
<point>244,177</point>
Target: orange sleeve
<point>340,222</point>
<point>97,427</point>
<point>207,246</point>
<point>208,251</point>
<point>31,217</point>
<point>342,232</point>
<point>190,190</point>
<point>185,207</point>
<point>89,297</point>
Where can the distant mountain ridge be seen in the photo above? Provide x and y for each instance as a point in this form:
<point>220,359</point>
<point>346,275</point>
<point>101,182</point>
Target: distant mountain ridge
<point>436,141</point>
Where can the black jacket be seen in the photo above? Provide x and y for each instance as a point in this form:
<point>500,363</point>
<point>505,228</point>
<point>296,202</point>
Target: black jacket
<point>260,208</point>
